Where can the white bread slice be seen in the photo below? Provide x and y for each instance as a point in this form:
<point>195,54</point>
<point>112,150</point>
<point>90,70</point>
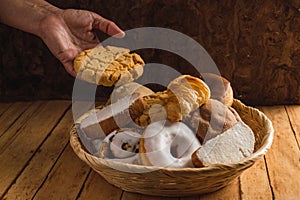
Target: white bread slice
<point>231,146</point>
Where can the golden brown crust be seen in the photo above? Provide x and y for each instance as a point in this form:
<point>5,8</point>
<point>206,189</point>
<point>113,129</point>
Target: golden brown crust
<point>195,160</point>
<point>108,66</point>
<point>184,95</point>
<point>191,92</point>
<point>142,152</point>
<point>155,107</point>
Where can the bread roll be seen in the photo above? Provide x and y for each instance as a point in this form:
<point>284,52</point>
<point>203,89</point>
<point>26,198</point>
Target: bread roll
<point>212,119</point>
<point>220,88</point>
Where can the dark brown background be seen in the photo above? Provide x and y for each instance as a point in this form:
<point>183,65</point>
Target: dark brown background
<point>255,44</point>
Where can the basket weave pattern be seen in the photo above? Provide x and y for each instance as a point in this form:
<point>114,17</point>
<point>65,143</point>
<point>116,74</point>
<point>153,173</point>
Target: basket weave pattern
<point>180,181</point>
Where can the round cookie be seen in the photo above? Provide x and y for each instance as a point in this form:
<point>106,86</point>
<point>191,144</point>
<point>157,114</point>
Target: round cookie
<point>108,65</point>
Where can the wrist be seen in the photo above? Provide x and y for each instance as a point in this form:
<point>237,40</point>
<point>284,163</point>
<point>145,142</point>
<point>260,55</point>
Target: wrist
<point>46,14</point>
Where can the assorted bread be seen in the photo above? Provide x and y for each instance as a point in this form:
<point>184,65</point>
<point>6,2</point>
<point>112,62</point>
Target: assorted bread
<point>190,124</point>
<point>182,96</point>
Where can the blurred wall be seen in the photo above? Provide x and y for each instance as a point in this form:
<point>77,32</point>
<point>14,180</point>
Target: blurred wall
<point>255,44</point>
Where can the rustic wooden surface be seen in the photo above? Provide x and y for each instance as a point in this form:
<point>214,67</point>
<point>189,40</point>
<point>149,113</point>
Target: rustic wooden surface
<point>37,162</point>
<point>255,44</point>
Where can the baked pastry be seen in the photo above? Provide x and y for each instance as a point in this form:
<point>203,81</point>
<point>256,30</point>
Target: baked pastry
<point>128,89</point>
<point>183,95</point>
<point>121,145</point>
<point>108,65</point>
<point>167,144</point>
<point>220,88</point>
<point>212,119</point>
<point>231,146</point>
<point>191,92</point>
<point>102,121</point>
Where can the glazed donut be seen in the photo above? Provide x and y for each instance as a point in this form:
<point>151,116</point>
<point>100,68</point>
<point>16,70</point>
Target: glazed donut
<point>121,145</point>
<point>167,144</point>
<point>220,88</point>
<point>212,119</point>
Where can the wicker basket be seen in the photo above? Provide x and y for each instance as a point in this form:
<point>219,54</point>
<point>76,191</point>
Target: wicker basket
<point>181,181</point>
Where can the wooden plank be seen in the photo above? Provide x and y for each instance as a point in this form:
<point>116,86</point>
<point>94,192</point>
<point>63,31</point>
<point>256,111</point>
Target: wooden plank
<point>4,106</point>
<point>231,191</point>
<point>66,178</point>
<point>15,129</point>
<point>11,114</point>
<point>283,158</point>
<point>255,183</point>
<point>294,116</point>
<point>16,155</point>
<point>135,196</point>
<point>34,174</point>
<point>96,188</point>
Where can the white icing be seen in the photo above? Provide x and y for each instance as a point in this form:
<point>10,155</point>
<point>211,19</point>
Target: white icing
<point>163,138</point>
<point>120,139</point>
<point>130,160</point>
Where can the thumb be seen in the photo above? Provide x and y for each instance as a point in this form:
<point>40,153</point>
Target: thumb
<point>70,69</point>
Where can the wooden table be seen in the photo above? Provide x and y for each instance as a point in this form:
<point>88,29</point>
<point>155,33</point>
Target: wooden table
<point>37,162</point>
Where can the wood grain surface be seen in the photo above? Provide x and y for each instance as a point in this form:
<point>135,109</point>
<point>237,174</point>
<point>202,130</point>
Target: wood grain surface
<point>37,162</point>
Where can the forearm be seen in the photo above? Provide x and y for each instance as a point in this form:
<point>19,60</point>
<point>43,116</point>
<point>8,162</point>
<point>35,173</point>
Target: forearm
<point>25,15</point>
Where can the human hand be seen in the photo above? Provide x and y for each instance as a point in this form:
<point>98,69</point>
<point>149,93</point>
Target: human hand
<point>70,31</point>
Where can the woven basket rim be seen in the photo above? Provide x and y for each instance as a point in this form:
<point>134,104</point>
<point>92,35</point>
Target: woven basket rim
<point>83,154</point>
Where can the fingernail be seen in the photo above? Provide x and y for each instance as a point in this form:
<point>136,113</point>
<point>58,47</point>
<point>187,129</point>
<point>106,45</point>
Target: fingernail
<point>120,35</point>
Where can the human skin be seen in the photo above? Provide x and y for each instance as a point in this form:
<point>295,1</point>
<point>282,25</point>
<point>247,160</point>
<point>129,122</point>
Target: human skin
<point>66,32</point>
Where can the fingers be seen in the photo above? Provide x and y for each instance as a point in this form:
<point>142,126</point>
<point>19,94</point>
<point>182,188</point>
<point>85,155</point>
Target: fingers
<point>107,26</point>
<point>70,69</point>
